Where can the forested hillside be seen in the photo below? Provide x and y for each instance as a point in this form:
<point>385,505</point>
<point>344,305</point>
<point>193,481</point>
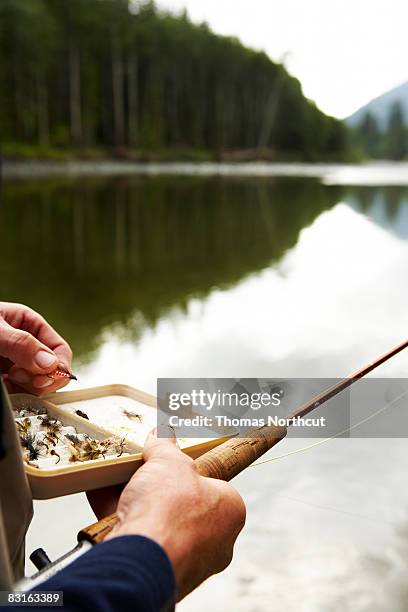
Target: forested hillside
<point>105,74</point>
<point>383,138</point>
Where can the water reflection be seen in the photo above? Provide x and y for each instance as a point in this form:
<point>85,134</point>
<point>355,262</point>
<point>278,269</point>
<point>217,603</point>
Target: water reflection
<point>120,254</point>
<point>236,277</point>
<point>387,206</point>
<point>93,253</point>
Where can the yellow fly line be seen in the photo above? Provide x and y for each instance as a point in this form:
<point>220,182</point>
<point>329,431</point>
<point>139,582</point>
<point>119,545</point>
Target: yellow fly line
<point>337,435</point>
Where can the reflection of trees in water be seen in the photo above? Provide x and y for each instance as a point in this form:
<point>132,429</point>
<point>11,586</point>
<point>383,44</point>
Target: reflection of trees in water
<point>390,199</point>
<point>92,253</point>
<point>394,198</point>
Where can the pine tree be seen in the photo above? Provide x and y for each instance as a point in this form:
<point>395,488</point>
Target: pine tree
<point>370,135</point>
<point>396,139</point>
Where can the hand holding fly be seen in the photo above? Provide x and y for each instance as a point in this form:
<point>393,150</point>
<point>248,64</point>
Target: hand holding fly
<point>31,351</point>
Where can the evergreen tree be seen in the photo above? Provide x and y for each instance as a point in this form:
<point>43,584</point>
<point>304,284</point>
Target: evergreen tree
<point>109,73</point>
<point>370,135</point>
<point>396,139</point>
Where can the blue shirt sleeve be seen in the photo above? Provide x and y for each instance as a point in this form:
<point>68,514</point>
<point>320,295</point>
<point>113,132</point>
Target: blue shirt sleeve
<point>125,574</point>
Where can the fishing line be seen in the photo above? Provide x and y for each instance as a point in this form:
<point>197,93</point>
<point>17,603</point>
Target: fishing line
<point>346,512</point>
<point>337,435</point>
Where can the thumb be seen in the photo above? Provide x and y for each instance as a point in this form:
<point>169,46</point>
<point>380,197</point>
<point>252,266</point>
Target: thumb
<point>157,448</point>
<point>25,351</point>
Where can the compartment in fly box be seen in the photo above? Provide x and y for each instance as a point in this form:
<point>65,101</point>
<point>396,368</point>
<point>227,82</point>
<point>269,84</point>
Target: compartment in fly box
<point>81,440</point>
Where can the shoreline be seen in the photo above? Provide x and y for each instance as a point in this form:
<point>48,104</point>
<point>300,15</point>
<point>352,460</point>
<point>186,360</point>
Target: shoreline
<point>378,173</point>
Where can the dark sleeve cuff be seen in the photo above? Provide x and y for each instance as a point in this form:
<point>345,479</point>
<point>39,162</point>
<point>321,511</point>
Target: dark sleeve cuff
<point>129,573</point>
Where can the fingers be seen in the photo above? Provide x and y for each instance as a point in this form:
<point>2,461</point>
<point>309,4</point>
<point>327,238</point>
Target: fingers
<point>156,448</point>
<point>23,381</point>
<point>64,354</point>
<point>48,336</point>
<point>25,351</point>
<point>24,318</point>
<point>33,346</point>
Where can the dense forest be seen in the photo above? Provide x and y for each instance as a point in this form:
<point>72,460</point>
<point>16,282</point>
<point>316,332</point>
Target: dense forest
<point>390,142</point>
<point>130,79</point>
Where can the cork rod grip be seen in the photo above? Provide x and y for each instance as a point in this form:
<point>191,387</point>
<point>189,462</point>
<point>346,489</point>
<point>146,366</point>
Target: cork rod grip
<point>231,458</point>
<point>97,532</point>
<point>223,462</point>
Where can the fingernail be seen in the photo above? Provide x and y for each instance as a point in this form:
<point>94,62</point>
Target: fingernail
<point>20,376</point>
<point>170,433</point>
<point>45,360</point>
<point>152,434</point>
<point>43,381</point>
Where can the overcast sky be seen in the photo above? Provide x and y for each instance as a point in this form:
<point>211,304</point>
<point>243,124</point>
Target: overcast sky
<point>344,52</point>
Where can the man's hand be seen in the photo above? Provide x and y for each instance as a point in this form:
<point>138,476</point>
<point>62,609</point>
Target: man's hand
<point>195,519</point>
<point>30,351</point>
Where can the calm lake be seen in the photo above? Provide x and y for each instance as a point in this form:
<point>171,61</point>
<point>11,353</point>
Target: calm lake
<point>238,275</point>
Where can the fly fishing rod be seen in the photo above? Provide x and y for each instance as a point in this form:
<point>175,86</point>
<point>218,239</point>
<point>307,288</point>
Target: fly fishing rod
<point>223,462</point>
<point>235,455</point>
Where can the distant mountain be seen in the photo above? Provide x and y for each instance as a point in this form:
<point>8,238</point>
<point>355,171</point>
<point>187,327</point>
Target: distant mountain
<point>380,107</point>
